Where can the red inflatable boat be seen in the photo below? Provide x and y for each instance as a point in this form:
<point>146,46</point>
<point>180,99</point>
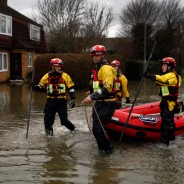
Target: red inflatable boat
<point>144,121</point>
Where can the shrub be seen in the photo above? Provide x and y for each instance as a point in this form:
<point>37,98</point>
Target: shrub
<point>78,66</point>
<point>134,68</point>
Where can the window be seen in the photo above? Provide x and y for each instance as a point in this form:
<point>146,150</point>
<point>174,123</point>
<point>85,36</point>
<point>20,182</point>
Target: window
<point>30,60</point>
<point>5,24</point>
<point>3,62</point>
<point>34,32</point>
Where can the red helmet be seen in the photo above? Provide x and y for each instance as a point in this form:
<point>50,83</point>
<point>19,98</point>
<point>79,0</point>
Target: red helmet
<point>56,62</point>
<point>97,50</point>
<point>169,61</point>
<point>115,63</point>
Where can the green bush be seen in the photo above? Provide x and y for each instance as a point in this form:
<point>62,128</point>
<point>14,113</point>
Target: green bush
<point>78,66</point>
<point>134,68</point>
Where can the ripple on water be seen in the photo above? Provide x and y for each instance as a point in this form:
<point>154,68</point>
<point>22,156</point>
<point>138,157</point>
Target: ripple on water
<point>74,158</point>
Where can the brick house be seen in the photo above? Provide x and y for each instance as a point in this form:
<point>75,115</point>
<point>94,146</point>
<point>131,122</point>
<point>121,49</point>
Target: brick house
<point>21,41</point>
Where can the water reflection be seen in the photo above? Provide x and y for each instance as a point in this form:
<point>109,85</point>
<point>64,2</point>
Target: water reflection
<point>57,166</point>
<point>73,157</point>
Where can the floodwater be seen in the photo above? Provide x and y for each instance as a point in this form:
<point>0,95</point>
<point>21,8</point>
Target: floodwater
<point>73,158</point>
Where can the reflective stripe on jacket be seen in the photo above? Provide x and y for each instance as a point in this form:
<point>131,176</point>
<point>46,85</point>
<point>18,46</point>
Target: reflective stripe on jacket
<point>121,86</point>
<point>169,85</point>
<point>56,83</point>
<point>103,79</point>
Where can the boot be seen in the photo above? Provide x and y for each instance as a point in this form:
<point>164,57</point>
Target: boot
<point>49,131</point>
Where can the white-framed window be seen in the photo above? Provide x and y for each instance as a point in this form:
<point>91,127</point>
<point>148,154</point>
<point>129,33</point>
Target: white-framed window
<point>34,32</point>
<point>5,25</point>
<point>3,61</point>
<point>30,64</point>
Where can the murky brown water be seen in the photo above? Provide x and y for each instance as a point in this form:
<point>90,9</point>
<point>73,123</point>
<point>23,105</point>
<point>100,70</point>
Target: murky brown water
<point>73,157</point>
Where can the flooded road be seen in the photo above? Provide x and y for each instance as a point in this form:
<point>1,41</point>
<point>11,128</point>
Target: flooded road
<point>73,158</point>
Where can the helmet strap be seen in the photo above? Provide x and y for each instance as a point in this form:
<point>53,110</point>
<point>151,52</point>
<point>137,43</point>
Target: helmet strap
<point>54,69</point>
<point>169,68</point>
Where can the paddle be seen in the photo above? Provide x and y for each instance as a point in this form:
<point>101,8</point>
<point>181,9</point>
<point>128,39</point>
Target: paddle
<point>31,90</point>
<point>136,95</point>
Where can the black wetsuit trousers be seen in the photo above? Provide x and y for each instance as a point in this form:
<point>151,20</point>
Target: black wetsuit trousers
<point>105,111</point>
<point>168,125</point>
<point>58,105</point>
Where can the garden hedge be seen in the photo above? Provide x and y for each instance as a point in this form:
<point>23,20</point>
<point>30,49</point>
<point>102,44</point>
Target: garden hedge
<point>78,66</point>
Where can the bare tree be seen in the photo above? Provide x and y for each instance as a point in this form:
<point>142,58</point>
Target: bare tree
<point>137,12</point>
<point>139,22</point>
<point>166,20</point>
<point>70,24</point>
<point>170,35</point>
<point>171,12</point>
<point>98,19</point>
<point>61,20</point>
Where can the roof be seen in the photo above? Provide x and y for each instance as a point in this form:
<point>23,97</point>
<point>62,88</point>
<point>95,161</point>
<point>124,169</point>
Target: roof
<point>4,9</point>
<point>20,38</point>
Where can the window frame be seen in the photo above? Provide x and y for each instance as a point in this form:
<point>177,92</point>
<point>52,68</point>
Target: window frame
<point>30,60</point>
<point>3,63</point>
<point>8,24</point>
<point>35,32</point>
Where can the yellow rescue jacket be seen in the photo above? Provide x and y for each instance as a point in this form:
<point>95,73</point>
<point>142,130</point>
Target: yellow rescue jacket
<point>169,86</point>
<point>103,83</point>
<point>56,85</point>
<point>121,86</point>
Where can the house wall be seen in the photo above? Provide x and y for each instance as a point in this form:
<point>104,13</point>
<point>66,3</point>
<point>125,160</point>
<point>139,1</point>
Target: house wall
<point>25,68</point>
<point>5,75</point>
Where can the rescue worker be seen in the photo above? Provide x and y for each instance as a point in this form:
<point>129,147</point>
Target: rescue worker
<point>169,82</point>
<point>120,84</point>
<point>56,82</point>
<point>102,91</point>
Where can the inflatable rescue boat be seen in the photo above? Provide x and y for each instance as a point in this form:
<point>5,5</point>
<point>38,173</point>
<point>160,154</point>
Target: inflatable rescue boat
<point>144,121</point>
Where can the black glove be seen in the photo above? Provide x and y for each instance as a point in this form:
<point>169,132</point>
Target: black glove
<point>72,103</point>
<point>36,87</point>
<point>127,100</point>
<point>147,75</point>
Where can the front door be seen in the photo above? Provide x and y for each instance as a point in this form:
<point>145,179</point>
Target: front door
<point>16,66</point>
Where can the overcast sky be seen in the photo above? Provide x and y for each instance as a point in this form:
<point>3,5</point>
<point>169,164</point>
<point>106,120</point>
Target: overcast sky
<point>26,6</point>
